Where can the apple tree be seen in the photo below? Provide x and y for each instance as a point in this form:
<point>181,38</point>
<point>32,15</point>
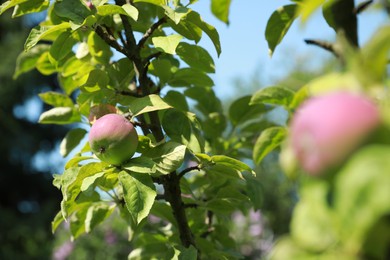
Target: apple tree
<point>139,61</point>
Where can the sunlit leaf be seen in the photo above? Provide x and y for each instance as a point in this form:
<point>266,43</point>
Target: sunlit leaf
<point>71,140</point>
<point>196,57</point>
<point>96,214</point>
<point>31,6</point>
<point>189,77</point>
<point>56,99</point>
<point>168,43</point>
<point>195,18</point>
<point>26,61</point>
<point>60,115</point>
<point>168,156</point>
<point>273,95</point>
<point>139,194</point>
<point>72,10</point>
<point>147,104</point>
<point>241,110</point>
<point>176,14</point>
<point>141,165</point>
<point>278,25</point>
<point>231,163</point>
<point>269,140</point>
<point>40,32</point>
<point>220,9</point>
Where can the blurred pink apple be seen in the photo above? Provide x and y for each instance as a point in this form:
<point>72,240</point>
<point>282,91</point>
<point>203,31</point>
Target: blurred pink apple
<point>113,139</point>
<point>326,129</point>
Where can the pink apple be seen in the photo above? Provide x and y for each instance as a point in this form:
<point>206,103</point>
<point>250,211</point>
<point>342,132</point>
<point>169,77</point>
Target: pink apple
<point>113,139</point>
<point>326,129</point>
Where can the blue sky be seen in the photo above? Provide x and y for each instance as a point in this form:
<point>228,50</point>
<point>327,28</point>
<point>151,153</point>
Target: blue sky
<point>245,50</point>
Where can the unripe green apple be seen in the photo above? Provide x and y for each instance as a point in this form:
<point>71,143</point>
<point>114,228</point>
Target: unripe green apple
<point>97,111</point>
<point>113,139</point>
<point>326,129</point>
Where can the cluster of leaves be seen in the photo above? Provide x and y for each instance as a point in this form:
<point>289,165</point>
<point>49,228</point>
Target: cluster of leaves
<point>344,215</point>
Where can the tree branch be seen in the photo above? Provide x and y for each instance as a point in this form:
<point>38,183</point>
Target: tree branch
<point>110,40</point>
<point>172,191</point>
<point>150,31</point>
<point>182,173</point>
<point>324,45</point>
<point>362,6</point>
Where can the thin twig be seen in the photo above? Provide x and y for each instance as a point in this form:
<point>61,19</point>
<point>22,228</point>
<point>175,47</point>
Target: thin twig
<point>110,40</point>
<point>362,6</point>
<point>193,168</point>
<point>150,31</point>
<point>151,56</point>
<point>191,205</point>
<point>324,45</point>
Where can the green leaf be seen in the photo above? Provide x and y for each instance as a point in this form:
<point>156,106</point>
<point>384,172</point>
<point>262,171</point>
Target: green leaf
<point>60,115</point>
<point>56,99</point>
<point>308,7</point>
<point>186,253</point>
<point>226,201</point>
<point>9,4</point>
<point>96,214</point>
<point>139,194</point>
<point>98,48</point>
<point>131,11</point>
<point>41,32</point>
<point>97,80</point>
<point>179,128</point>
<point>278,25</point>
<point>273,95</point>
<point>176,100</point>
<point>214,124</point>
<point>71,10</point>
<point>148,104</point>
<point>62,46</point>
<point>26,61</point>
<point>313,224</point>
<point>196,57</point>
<point>168,43</point>
<point>176,15</point>
<point>140,165</point>
<point>126,9</point>
<point>58,219</point>
<point>161,68</point>
<point>231,163</point>
<point>375,57</point>
<point>77,222</point>
<point>71,141</point>
<point>155,2</point>
<point>74,162</point>
<point>269,140</point>
<point>187,29</point>
<point>90,180</point>
<point>45,65</point>
<point>362,193</point>
<point>195,18</point>
<point>167,156</point>
<point>31,6</point>
<point>188,77</point>
<point>241,110</point>
<point>220,9</point>
<point>254,191</point>
<point>207,102</point>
